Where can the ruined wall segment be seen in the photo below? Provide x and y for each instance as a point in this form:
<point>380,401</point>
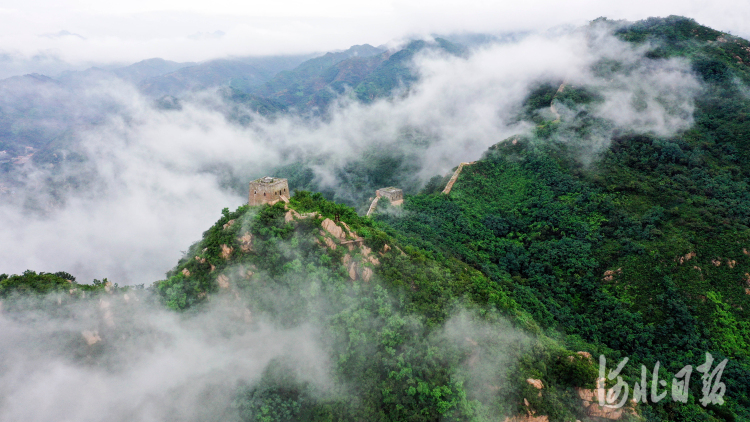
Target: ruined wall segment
<point>395,195</point>
<point>267,190</point>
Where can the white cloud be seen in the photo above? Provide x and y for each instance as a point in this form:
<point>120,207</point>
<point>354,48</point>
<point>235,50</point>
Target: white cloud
<point>132,31</point>
<point>156,188</point>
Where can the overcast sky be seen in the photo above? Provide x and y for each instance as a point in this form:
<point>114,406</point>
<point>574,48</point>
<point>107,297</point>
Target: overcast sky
<point>94,31</point>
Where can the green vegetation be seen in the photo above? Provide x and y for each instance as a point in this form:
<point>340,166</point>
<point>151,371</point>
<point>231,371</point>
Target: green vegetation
<point>444,308</point>
<point>407,343</point>
<point>644,252</point>
<point>31,283</point>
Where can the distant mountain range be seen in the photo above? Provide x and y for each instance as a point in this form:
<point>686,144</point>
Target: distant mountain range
<point>42,113</point>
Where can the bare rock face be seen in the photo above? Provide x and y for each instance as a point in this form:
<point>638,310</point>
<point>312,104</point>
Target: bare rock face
<point>226,251</point>
<point>535,383</point>
<point>349,231</point>
<point>228,224</point>
<point>596,411</point>
<point>353,270</point>
<point>367,253</point>
<point>367,274</point>
<point>590,402</point>
<point>91,337</point>
<point>609,275</point>
<point>106,309</point>
<point>587,355</point>
<point>223,281</point>
<point>186,272</point>
<point>246,242</point>
<point>330,243</point>
<point>331,227</point>
<point>586,395</point>
<point>290,216</point>
<point>528,418</point>
<point>685,258</point>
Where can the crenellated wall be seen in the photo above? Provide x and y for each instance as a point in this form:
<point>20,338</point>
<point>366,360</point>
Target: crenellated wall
<point>267,190</point>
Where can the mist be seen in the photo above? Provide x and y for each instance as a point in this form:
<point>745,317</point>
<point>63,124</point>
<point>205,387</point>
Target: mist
<point>119,356</point>
<point>155,178</point>
<point>35,33</point>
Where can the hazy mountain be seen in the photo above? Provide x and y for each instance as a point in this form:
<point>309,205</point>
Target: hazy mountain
<point>370,72</point>
<point>275,64</point>
<point>214,73</point>
<point>289,83</point>
<point>242,73</point>
<point>34,109</point>
<point>149,68</point>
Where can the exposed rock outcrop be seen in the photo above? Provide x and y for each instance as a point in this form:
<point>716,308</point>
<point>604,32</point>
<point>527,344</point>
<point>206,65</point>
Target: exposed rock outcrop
<point>246,242</point>
<point>226,251</point>
<point>685,258</point>
<point>535,383</point>
<point>330,243</point>
<point>91,337</point>
<point>609,275</point>
<point>353,270</point>
<point>223,281</point>
<point>528,418</point>
<point>367,274</point>
<point>106,309</point>
<point>590,403</point>
<point>331,227</point>
<point>290,216</point>
<point>586,355</point>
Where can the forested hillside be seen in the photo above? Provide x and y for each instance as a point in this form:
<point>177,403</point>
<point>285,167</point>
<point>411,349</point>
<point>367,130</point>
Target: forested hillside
<point>644,251</point>
<point>578,238</point>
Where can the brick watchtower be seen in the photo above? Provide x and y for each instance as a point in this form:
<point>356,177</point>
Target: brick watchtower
<point>395,195</point>
<point>267,190</point>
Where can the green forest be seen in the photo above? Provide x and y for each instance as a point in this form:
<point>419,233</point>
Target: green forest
<point>451,307</point>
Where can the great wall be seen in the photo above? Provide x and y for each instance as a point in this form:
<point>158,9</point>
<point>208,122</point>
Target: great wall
<point>449,186</point>
<point>270,190</point>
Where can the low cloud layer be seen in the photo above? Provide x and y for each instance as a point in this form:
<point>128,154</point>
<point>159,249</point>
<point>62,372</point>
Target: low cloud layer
<point>160,177</point>
<point>141,363</point>
<point>118,357</point>
<point>87,32</point>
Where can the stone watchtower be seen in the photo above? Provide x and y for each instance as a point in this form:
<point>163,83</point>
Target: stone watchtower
<point>268,190</point>
<point>395,195</point>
